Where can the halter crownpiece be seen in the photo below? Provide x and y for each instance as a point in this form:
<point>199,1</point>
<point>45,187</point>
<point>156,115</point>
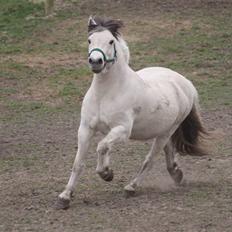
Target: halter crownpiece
<point>106,60</point>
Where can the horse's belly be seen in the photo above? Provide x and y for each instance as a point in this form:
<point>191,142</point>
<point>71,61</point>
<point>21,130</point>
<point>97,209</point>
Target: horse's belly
<point>143,134</point>
<point>151,126</point>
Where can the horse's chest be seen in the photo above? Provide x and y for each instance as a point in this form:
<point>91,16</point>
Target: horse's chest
<point>107,113</point>
<point>101,120</point>
<point>98,123</point>
<point>103,127</point>
<point>108,118</point>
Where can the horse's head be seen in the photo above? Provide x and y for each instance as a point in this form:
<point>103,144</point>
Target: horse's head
<point>103,36</point>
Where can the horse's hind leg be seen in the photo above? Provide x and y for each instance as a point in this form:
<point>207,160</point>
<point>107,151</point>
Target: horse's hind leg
<point>172,167</point>
<point>157,146</point>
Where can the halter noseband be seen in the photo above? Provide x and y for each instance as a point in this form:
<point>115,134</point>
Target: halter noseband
<point>106,60</point>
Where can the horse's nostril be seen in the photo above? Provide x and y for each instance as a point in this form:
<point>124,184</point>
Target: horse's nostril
<point>95,62</point>
<point>100,61</point>
<point>90,61</point>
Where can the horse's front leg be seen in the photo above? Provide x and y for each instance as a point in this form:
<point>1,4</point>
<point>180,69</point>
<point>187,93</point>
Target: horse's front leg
<point>117,134</point>
<point>84,136</point>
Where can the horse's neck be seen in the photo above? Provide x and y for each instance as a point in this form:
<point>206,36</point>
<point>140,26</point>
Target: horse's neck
<point>115,79</point>
<point>120,78</point>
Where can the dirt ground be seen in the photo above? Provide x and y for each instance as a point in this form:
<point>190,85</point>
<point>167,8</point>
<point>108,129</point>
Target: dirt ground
<point>37,152</point>
<point>47,148</point>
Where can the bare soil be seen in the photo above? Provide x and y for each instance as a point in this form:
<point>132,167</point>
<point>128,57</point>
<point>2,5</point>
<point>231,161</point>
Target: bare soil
<point>45,151</point>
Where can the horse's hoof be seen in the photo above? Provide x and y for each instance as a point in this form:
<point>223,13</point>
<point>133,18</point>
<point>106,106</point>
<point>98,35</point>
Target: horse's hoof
<point>110,175</point>
<point>62,203</point>
<point>178,176</point>
<point>129,191</point>
<point>107,175</point>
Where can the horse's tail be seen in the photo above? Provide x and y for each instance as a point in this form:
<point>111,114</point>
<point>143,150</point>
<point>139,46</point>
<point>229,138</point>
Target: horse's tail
<point>186,137</point>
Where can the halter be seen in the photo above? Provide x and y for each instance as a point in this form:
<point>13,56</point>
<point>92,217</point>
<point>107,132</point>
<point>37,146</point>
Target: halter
<point>106,60</point>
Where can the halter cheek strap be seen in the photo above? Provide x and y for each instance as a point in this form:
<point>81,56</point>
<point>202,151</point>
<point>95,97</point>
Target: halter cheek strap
<point>106,60</point>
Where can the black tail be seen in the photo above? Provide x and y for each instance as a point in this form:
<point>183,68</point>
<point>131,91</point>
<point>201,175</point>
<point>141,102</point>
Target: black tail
<point>186,137</point>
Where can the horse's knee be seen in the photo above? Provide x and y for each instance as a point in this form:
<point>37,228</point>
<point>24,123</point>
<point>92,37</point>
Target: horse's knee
<point>102,148</point>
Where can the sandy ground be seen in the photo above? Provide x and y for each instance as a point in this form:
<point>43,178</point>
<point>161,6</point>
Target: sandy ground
<point>38,155</point>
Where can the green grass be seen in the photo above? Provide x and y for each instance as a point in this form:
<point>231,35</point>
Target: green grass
<point>13,23</point>
<point>13,15</point>
<point>23,29</point>
<point>201,51</point>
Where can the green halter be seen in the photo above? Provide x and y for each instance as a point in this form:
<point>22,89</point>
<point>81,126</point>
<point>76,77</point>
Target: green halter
<point>106,60</point>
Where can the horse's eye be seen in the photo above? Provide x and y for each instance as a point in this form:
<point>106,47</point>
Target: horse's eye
<point>89,41</point>
<point>111,42</point>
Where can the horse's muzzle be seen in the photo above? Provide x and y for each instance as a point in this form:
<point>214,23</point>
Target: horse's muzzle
<point>95,70</point>
<point>96,65</point>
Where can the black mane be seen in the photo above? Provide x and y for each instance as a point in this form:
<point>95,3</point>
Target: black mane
<point>102,23</point>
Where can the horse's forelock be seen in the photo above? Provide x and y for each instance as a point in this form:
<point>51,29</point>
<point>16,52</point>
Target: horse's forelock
<point>110,24</point>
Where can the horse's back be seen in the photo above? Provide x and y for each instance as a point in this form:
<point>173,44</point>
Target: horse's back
<point>166,78</point>
<point>159,74</point>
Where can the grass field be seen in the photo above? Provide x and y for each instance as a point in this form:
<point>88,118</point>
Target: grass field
<point>44,76</point>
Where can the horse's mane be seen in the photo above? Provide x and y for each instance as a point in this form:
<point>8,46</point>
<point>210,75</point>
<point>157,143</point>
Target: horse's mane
<point>102,23</point>
<point>125,49</point>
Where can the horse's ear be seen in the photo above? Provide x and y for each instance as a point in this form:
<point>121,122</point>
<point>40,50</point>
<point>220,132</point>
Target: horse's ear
<point>91,24</point>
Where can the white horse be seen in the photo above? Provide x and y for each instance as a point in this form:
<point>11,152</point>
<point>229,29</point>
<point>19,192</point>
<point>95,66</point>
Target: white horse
<point>123,104</point>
